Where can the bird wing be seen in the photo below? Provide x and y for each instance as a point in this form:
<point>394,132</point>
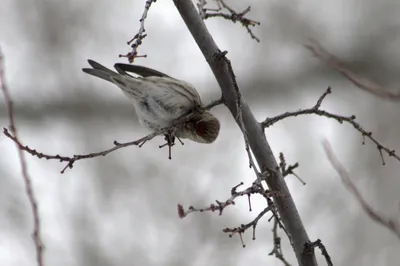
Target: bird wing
<point>130,84</point>
<point>151,74</point>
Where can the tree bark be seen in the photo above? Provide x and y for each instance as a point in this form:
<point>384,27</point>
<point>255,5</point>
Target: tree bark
<point>257,140</point>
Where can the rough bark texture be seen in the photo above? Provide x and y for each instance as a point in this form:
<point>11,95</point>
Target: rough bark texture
<point>257,140</point>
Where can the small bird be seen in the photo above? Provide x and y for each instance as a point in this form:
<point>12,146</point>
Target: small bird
<point>159,100</point>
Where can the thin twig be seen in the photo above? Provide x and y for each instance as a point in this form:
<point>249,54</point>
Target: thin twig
<point>310,246</point>
<point>389,223</point>
<point>71,160</point>
<point>253,224</point>
<point>27,181</point>
<point>255,188</point>
<point>221,205</point>
<point>239,117</point>
<point>233,16</point>
<point>277,249</point>
<point>201,7</point>
<point>350,120</point>
<point>136,41</point>
<point>288,170</point>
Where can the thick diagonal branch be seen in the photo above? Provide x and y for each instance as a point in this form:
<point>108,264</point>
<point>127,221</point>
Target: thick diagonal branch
<point>222,70</point>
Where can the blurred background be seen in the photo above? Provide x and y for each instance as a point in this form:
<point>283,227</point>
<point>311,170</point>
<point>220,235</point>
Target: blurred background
<point>121,209</point>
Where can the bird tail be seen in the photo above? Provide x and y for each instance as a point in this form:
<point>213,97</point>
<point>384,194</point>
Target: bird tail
<point>130,86</point>
<point>100,71</point>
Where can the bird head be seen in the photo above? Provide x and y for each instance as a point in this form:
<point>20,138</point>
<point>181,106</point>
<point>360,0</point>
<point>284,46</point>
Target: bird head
<point>202,128</point>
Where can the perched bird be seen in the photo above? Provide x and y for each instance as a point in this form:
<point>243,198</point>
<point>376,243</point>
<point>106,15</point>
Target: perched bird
<point>159,100</point>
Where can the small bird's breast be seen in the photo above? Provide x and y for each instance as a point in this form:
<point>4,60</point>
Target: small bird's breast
<point>154,114</point>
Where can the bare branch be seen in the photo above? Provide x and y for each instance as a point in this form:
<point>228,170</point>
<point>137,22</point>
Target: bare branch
<point>261,150</point>
<point>24,169</point>
<point>201,7</point>
<point>289,170</point>
<point>350,120</point>
<point>255,188</point>
<point>239,120</point>
<point>136,41</point>
<point>140,142</point>
<point>253,224</point>
<point>233,16</point>
<point>390,224</point>
<point>309,247</point>
<point>221,205</point>
<point>277,250</point>
<point>361,82</point>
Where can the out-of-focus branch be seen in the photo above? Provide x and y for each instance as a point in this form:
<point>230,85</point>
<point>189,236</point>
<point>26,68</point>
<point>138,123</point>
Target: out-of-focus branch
<point>232,15</point>
<point>223,72</point>
<point>350,120</point>
<point>361,82</point>
<point>27,181</point>
<point>140,142</point>
<point>391,224</point>
<point>136,41</point>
